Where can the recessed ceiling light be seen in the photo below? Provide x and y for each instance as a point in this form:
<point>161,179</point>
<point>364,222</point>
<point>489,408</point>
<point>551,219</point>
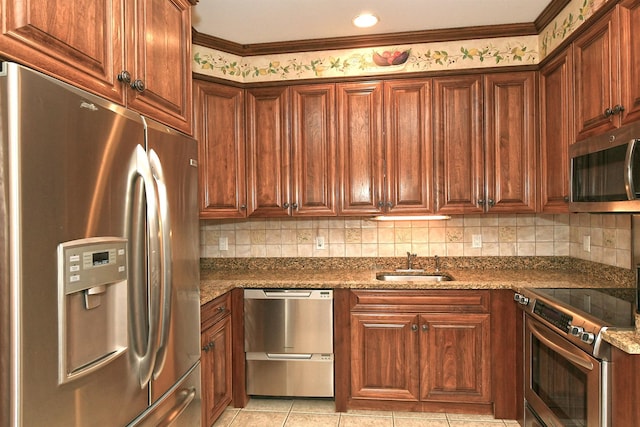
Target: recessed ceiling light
<point>365,20</point>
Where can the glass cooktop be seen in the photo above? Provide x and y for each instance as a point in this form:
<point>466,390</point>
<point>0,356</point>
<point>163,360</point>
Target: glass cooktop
<point>615,307</point>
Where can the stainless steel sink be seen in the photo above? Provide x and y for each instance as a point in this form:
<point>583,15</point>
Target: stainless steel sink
<point>413,277</point>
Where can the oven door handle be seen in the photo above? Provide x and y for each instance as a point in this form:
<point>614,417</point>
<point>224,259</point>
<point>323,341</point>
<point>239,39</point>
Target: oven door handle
<point>552,342</point>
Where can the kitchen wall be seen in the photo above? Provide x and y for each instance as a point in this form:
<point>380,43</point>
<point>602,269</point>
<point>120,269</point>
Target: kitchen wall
<point>500,235</point>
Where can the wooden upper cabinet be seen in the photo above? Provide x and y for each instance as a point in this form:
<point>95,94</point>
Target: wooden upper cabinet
<point>556,131</point>
<point>313,156</point>
<point>219,130</point>
<point>596,77</point>
<point>360,158</point>
<point>158,54</point>
<point>55,37</point>
<point>268,152</point>
<point>630,59</point>
<point>89,43</point>
<point>459,163</point>
<point>510,142</point>
<point>408,146</point>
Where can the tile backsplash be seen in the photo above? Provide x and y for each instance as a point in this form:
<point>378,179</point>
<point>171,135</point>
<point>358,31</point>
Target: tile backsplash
<point>607,237</point>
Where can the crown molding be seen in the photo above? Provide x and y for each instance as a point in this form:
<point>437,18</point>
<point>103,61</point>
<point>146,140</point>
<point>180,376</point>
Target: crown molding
<point>409,37</point>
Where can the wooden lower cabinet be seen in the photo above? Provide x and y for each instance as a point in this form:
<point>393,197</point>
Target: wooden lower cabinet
<point>455,358</point>
<point>216,359</point>
<point>421,351</point>
<point>385,355</point>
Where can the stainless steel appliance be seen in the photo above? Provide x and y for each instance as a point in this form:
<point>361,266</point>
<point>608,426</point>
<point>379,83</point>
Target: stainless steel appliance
<point>567,369</point>
<point>605,172</point>
<point>289,342</point>
<point>99,266</point>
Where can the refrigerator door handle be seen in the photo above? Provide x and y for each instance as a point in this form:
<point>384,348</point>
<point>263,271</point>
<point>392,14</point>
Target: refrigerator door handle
<point>146,360</point>
<point>166,260</point>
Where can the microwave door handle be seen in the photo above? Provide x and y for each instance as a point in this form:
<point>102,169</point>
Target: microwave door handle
<point>628,170</point>
<point>166,261</point>
<point>551,342</point>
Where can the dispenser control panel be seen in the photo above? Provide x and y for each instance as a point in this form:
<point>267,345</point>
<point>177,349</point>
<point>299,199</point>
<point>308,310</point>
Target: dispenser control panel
<point>91,262</point>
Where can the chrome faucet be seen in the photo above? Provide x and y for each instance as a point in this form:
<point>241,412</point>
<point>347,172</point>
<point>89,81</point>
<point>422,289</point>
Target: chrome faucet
<point>410,258</point>
<point>437,260</point>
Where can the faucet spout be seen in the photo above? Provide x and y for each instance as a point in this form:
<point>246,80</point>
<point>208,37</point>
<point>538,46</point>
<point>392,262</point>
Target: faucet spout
<point>410,258</point>
<point>437,261</point>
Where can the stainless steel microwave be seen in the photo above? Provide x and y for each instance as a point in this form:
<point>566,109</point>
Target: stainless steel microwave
<point>605,172</point>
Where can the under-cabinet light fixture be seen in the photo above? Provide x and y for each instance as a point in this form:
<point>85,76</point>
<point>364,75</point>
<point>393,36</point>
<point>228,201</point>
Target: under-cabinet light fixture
<point>365,20</point>
<point>411,218</point>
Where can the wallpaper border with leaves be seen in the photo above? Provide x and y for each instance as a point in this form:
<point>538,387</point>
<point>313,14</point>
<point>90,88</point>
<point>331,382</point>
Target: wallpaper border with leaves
<point>454,55</point>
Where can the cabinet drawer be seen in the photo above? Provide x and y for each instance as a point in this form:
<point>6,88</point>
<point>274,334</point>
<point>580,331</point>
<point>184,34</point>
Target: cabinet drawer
<point>215,310</point>
<point>423,301</point>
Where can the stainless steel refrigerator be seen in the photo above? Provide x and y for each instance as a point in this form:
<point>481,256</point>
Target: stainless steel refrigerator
<point>99,274</point>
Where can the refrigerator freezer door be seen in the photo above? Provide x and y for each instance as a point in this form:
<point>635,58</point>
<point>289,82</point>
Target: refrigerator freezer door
<point>69,156</point>
<point>174,156</point>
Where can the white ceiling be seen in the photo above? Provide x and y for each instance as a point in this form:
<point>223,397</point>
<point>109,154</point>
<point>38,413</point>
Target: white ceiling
<point>264,21</point>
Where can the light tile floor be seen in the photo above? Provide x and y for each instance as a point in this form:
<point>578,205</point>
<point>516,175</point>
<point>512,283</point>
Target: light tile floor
<point>270,412</point>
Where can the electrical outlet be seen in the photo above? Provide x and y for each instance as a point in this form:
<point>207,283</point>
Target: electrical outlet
<point>320,242</point>
<point>476,241</point>
<point>586,243</point>
<point>223,243</point>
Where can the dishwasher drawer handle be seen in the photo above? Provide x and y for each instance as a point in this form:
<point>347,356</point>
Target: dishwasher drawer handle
<point>297,356</point>
<point>287,294</point>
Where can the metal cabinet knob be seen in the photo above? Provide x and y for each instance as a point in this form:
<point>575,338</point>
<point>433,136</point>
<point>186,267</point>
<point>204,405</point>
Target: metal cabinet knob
<point>491,202</point>
<point>286,205</point>
<point>425,327</point>
<point>414,327</point>
<point>480,202</point>
<point>243,207</point>
<point>138,85</point>
<point>294,206</point>
<point>222,308</point>
<point>124,76</point>
<point>381,204</point>
<point>208,347</point>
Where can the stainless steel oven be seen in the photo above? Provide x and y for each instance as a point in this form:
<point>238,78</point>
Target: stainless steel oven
<point>566,363</point>
<point>564,385</point>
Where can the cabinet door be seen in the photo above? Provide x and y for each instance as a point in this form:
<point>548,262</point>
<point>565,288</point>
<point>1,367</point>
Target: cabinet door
<point>459,163</point>
<point>313,150</point>
<point>268,152</point>
<point>455,358</point>
<point>596,77</point>
<point>219,129</point>
<point>630,60</point>
<point>408,146</point>
<point>216,370</point>
<point>556,132</point>
<point>360,174</point>
<point>158,53</point>
<point>384,356</point>
<point>55,37</point>
<point>510,142</point>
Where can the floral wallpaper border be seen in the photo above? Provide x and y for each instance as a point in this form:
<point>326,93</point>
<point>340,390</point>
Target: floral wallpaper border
<point>454,55</point>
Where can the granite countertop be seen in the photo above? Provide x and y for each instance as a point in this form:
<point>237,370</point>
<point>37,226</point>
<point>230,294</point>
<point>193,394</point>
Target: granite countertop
<point>219,280</point>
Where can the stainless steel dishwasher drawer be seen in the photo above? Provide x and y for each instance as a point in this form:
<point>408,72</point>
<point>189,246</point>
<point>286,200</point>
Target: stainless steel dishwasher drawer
<point>289,342</point>
<point>302,375</point>
<point>288,321</point>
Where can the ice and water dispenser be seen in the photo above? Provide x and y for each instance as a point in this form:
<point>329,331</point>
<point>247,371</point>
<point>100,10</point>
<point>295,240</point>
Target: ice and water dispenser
<point>92,304</point>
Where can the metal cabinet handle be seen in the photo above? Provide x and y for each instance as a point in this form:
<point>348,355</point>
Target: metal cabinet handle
<point>243,207</point>
<point>294,206</point>
<point>608,112</point>
<point>425,327</point>
<point>286,205</point>
<point>381,204</point>
<point>414,327</point>
<point>480,202</point>
<point>222,308</point>
<point>389,204</point>
<point>208,347</point>
<point>491,202</point>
